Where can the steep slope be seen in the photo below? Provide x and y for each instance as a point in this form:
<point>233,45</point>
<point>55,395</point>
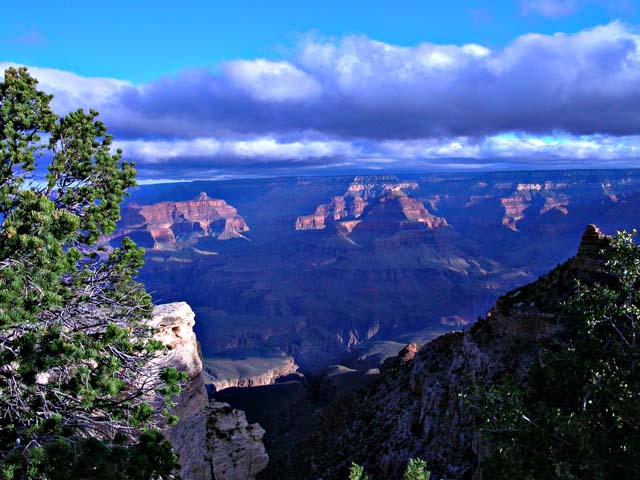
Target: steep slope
<point>381,203</point>
<point>213,441</point>
<point>176,225</point>
<point>417,408</point>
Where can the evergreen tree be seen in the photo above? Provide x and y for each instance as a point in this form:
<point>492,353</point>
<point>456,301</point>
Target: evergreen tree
<point>416,470</point>
<point>78,387</point>
<point>578,416</point>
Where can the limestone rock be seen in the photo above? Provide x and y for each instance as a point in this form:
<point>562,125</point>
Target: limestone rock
<point>345,211</point>
<point>213,441</point>
<point>408,352</point>
<point>235,447</point>
<point>286,366</point>
<point>591,245</point>
<point>174,323</point>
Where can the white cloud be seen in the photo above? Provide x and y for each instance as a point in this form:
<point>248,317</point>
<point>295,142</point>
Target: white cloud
<point>72,91</point>
<point>271,81</point>
<point>357,101</point>
<point>266,148</point>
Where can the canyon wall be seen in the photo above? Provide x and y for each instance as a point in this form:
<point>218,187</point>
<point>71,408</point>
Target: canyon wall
<point>220,377</point>
<point>379,257</point>
<point>367,196</point>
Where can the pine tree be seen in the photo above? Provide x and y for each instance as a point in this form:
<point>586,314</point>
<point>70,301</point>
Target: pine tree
<point>578,415</point>
<point>78,388</point>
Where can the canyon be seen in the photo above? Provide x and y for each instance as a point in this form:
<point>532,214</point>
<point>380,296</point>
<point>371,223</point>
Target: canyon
<point>337,274</point>
<point>177,225</point>
<point>295,272</point>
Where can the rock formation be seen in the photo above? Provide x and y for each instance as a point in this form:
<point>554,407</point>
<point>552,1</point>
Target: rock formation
<point>346,211</point>
<point>213,441</point>
<point>314,294</point>
<point>214,376</point>
<point>235,446</point>
<point>593,241</point>
<point>174,225</point>
<point>420,411</point>
<point>526,194</point>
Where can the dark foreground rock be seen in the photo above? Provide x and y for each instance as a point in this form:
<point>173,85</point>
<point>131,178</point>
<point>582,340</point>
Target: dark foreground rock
<point>419,407</point>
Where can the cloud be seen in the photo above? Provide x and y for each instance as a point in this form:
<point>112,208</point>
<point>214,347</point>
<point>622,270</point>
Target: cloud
<point>266,81</point>
<point>259,149</point>
<point>582,83</point>
<point>269,155</point>
<point>73,91</point>
<point>354,101</point>
<point>550,8</point>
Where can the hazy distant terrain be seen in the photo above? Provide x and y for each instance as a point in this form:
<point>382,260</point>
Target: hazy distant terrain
<point>309,267</point>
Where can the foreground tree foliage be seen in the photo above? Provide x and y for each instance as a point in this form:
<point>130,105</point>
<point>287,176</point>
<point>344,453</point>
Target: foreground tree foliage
<point>579,416</point>
<point>416,470</point>
<point>78,385</point>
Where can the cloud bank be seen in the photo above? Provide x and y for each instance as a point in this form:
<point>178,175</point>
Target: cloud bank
<point>356,103</point>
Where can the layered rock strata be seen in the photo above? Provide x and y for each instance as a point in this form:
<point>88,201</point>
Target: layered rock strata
<point>346,211</point>
<point>174,225</point>
<point>286,367</point>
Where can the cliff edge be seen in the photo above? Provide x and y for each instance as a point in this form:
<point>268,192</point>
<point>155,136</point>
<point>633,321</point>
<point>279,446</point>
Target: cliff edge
<point>213,441</point>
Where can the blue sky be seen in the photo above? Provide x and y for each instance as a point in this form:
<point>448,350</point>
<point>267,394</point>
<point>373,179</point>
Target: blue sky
<point>143,40</point>
<point>216,89</point>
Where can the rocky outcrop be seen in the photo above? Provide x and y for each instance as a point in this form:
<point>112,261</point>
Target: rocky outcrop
<point>526,194</point>
<point>173,323</point>
<point>213,441</point>
<point>346,211</point>
<point>408,353</point>
<point>174,225</point>
<point>417,407</point>
<point>265,377</point>
<point>235,447</point>
<point>593,242</point>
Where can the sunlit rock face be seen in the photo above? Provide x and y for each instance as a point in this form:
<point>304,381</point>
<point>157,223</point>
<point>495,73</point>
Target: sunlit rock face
<point>529,195</point>
<point>365,197</point>
<point>213,441</point>
<point>174,323</point>
<point>262,374</point>
<point>175,225</point>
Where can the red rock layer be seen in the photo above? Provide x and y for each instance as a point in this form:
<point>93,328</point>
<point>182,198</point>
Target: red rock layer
<point>176,224</point>
<point>345,210</point>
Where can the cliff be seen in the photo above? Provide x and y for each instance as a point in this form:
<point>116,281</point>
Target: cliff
<point>228,373</point>
<point>213,441</point>
<point>175,225</point>
<point>364,197</point>
<point>417,408</point>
